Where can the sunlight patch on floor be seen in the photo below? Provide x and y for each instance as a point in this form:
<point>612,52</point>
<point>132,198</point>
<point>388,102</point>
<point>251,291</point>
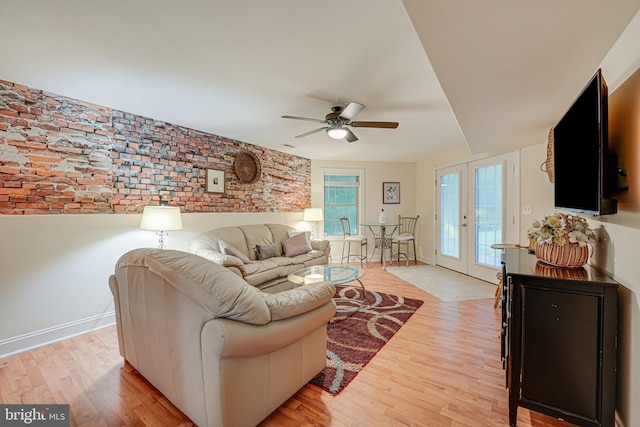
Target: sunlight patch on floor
<point>444,284</point>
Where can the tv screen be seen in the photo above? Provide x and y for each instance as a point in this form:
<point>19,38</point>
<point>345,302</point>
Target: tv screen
<point>580,153</point>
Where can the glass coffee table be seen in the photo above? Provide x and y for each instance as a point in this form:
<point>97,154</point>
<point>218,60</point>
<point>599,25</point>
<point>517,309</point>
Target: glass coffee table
<point>335,274</point>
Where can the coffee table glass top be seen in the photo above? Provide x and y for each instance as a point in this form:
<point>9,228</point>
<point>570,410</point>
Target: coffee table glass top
<point>334,274</point>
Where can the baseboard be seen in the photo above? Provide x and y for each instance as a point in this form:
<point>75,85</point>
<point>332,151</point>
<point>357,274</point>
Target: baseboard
<point>42,337</point>
<point>427,260</point>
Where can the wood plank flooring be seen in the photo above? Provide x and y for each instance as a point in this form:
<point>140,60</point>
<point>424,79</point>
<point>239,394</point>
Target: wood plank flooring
<point>441,369</point>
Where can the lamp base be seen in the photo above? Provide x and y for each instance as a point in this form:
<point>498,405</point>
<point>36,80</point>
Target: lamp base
<point>162,238</point>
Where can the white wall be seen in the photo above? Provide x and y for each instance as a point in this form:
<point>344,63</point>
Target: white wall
<point>375,174</point>
<point>54,268</point>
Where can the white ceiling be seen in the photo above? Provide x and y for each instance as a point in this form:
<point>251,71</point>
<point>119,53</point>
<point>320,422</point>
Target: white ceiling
<point>491,75</point>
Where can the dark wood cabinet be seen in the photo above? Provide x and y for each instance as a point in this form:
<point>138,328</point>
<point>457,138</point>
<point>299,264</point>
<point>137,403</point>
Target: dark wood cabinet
<point>559,340</point>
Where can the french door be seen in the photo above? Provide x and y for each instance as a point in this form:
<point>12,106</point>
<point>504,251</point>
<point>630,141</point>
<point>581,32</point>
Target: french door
<point>476,209</point>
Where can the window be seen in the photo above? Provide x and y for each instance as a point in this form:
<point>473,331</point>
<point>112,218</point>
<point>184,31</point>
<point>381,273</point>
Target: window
<point>342,198</point>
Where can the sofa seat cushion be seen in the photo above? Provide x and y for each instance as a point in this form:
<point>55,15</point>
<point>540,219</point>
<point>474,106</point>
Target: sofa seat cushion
<point>259,272</point>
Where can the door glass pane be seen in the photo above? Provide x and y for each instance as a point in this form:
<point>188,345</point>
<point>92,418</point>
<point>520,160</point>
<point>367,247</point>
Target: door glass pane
<point>488,214</point>
<point>450,214</point>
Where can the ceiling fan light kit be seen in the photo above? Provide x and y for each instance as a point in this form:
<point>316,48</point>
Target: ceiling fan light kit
<point>337,132</point>
<point>341,117</point>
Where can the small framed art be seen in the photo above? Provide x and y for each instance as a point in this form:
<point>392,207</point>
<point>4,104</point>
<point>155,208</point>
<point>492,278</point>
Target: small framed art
<point>390,192</point>
<point>215,181</point>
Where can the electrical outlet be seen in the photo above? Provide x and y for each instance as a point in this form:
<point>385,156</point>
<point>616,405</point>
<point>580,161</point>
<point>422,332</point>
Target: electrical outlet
<point>526,210</point>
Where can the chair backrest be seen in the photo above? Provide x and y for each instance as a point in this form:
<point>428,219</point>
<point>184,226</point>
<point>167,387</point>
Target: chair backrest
<point>346,227</point>
<point>407,224</point>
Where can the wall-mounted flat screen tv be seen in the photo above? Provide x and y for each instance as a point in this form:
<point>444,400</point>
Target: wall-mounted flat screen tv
<point>581,158</point>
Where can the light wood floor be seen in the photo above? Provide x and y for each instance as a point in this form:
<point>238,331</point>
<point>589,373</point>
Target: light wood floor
<point>441,369</point>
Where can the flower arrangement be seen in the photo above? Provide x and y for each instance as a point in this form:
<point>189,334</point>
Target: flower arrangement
<point>560,229</point>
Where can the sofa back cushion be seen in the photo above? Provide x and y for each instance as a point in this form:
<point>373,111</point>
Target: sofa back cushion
<point>210,240</point>
<point>209,285</point>
<point>229,249</point>
<point>243,237</point>
<point>258,234</point>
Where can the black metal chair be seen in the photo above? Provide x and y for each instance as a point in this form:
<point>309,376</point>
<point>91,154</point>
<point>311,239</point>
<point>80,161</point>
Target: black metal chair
<point>348,239</point>
<point>406,235</point>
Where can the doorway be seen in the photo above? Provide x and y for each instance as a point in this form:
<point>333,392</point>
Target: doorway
<point>476,208</point>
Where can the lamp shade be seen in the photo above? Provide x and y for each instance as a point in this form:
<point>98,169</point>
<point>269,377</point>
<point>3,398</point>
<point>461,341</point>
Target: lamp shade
<point>161,218</point>
<point>313,214</point>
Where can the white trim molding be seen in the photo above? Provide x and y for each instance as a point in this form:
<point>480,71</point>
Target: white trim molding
<point>20,343</point>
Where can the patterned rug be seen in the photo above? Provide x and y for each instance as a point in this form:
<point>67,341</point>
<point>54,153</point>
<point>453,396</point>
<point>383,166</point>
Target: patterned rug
<point>358,331</point>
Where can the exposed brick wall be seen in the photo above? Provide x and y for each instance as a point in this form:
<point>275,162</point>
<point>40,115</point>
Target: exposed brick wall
<point>60,155</point>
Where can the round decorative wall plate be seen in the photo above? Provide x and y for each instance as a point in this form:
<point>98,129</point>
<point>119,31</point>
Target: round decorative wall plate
<point>247,167</point>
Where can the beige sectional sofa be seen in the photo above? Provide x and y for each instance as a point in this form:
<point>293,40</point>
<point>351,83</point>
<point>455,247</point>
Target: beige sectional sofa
<point>225,353</point>
<point>282,252</point>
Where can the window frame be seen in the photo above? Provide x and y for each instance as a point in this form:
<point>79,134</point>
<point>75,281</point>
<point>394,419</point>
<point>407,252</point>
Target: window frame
<point>360,208</point>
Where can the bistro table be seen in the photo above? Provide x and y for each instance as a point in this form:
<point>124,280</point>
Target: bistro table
<point>383,236</point>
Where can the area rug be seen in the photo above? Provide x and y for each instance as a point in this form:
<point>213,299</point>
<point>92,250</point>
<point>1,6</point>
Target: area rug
<point>446,285</point>
<point>358,331</point>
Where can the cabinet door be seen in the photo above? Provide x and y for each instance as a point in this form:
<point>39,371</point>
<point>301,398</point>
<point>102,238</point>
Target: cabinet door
<point>560,350</point>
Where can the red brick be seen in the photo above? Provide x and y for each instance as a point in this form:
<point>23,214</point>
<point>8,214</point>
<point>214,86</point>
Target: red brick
<point>171,163</point>
<point>5,190</point>
<point>10,170</point>
<point>10,113</point>
<point>42,159</point>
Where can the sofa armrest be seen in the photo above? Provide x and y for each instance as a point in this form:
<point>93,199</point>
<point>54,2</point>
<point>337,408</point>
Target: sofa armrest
<point>227,338</point>
<point>301,299</point>
<point>320,245</point>
<point>220,258</point>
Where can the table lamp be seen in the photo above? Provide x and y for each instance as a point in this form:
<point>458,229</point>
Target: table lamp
<point>313,215</point>
<point>161,219</point>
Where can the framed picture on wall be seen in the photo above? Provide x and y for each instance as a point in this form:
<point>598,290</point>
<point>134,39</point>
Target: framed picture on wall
<point>390,192</point>
<point>215,181</point>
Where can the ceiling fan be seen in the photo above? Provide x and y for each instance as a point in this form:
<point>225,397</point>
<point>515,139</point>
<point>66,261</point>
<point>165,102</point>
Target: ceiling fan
<point>339,118</point>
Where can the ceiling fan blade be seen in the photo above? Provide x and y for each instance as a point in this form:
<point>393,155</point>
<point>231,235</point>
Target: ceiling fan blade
<point>351,110</point>
<point>350,137</point>
<point>303,118</point>
<point>302,135</point>
<point>385,125</point>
